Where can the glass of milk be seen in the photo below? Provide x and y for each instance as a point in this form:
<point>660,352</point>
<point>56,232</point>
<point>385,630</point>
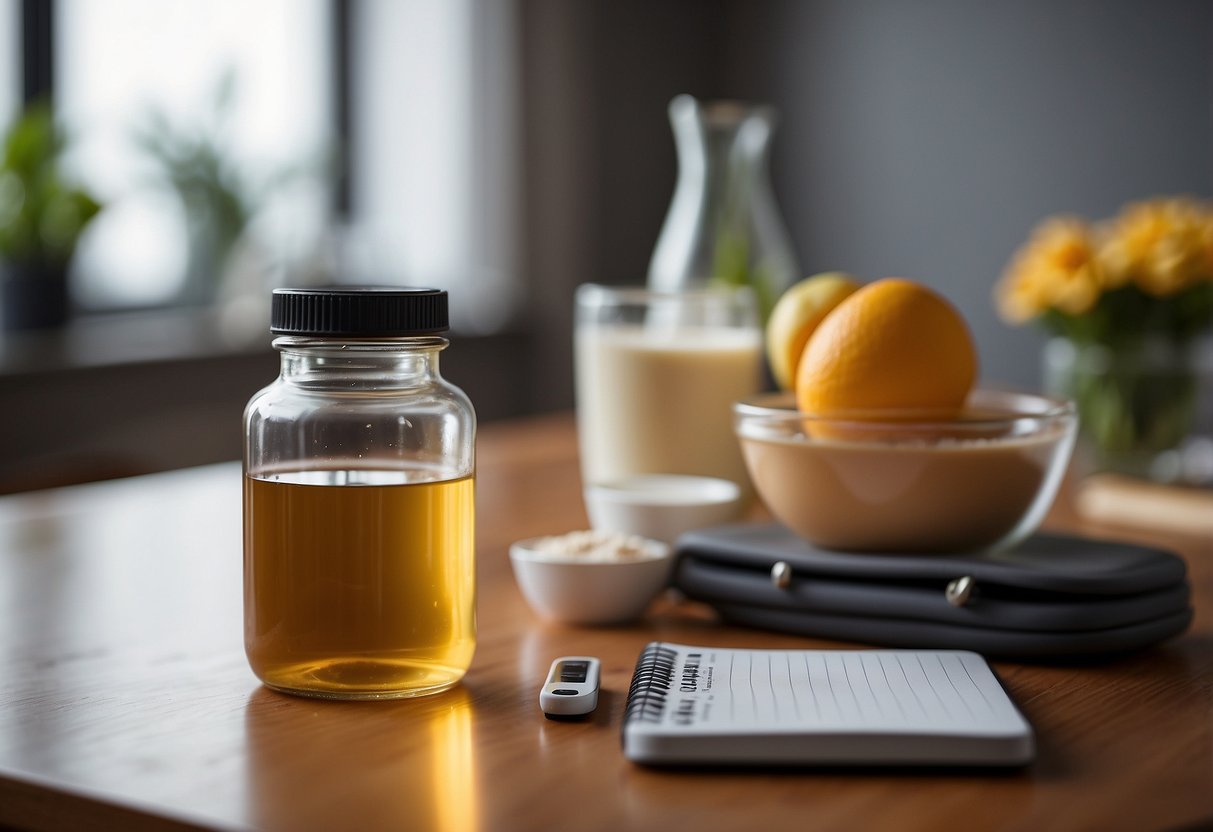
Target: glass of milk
<point>657,374</point>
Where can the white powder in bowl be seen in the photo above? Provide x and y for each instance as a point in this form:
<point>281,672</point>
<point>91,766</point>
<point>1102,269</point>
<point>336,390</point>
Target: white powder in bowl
<point>599,546</point>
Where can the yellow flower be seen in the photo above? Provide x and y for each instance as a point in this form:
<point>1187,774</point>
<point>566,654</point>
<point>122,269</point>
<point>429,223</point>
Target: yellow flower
<point>1164,246</point>
<point>1058,268</point>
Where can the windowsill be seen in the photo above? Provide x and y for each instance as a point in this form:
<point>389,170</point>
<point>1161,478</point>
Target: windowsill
<point>143,337</point>
<point>135,392</point>
<point>167,334</point>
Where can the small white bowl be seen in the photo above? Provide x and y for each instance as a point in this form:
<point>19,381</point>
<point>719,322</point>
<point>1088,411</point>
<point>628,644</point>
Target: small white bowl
<point>574,591</point>
<point>662,506</point>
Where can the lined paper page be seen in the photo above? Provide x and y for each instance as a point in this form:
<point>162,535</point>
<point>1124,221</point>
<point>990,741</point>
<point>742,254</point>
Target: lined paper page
<point>885,689</point>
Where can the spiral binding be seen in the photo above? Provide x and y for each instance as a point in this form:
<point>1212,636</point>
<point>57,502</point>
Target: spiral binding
<point>651,683</point>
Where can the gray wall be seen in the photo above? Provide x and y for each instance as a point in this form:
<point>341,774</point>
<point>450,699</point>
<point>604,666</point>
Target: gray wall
<point>922,138</point>
<point>926,138</point>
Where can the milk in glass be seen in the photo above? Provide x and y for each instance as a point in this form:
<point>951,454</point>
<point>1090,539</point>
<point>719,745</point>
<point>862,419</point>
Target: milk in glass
<point>656,397</point>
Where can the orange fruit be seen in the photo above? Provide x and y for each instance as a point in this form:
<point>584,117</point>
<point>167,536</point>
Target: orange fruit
<point>892,350</point>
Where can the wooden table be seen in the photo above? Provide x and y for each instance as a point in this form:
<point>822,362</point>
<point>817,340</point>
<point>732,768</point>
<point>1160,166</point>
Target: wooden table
<point>125,700</point>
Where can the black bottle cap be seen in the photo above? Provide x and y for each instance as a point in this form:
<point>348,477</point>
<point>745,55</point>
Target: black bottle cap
<point>359,311</point>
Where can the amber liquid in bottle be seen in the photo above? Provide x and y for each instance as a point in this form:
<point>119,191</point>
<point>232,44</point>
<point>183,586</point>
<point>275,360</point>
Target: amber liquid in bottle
<point>359,584</point>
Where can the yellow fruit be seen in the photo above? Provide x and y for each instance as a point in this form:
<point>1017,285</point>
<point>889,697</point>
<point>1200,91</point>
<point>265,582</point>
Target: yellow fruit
<point>796,314</point>
<point>894,349</point>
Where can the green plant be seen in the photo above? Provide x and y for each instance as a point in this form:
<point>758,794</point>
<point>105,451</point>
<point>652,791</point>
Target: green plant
<point>196,162</point>
<point>41,213</point>
<point>220,196</point>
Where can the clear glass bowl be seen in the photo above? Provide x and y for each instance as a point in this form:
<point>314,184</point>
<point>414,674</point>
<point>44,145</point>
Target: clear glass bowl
<point>902,483</point>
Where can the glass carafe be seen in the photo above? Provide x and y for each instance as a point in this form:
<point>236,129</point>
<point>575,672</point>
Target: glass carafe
<point>723,225</point>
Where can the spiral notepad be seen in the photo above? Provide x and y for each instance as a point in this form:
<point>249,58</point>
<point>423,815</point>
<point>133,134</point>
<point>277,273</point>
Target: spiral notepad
<point>705,705</point>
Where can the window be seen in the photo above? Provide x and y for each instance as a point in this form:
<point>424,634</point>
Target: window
<point>430,194</point>
<point>119,62</point>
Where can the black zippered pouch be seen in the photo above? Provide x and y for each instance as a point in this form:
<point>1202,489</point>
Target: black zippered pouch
<point>1051,596</point>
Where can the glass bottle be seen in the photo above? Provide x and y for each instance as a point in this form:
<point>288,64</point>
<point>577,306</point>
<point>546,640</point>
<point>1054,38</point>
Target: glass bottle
<point>359,465</point>
<point>723,225</point>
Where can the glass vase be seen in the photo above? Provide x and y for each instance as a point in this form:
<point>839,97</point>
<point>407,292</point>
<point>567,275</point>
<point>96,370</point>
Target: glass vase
<point>1144,405</point>
<point>723,225</point>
